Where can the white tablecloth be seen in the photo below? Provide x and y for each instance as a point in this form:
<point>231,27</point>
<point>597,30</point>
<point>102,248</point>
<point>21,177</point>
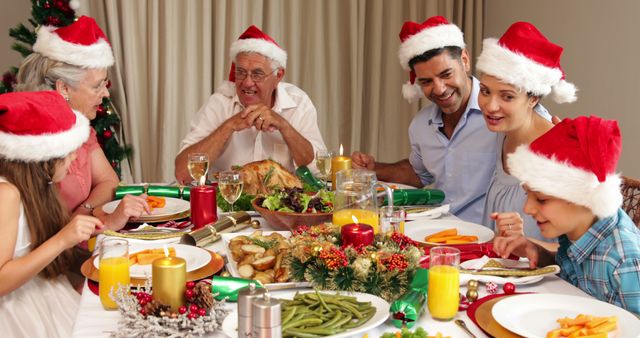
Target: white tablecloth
<point>93,321</point>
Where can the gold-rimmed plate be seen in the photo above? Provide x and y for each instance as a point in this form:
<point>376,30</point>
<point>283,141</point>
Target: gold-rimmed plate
<point>174,208</point>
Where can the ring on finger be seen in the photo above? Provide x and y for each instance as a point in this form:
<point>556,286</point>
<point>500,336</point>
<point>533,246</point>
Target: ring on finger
<point>260,118</point>
<point>509,227</point>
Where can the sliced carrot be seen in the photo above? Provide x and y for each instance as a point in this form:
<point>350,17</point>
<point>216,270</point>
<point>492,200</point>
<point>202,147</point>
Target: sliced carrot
<point>444,233</point>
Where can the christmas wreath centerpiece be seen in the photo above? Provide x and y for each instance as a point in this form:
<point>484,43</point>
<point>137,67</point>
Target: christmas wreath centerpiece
<point>143,316</point>
<point>384,268</point>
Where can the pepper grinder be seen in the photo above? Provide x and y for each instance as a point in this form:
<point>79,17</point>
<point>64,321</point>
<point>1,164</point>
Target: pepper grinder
<point>266,317</point>
<point>246,297</point>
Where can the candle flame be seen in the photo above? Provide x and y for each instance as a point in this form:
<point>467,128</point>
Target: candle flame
<point>166,250</point>
<point>341,149</point>
<point>355,219</point>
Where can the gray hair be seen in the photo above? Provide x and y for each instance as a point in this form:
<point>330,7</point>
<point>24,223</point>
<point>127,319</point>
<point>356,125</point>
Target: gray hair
<point>275,65</point>
<point>38,72</point>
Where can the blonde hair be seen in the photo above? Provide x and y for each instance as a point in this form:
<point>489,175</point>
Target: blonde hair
<point>43,209</point>
<point>38,72</point>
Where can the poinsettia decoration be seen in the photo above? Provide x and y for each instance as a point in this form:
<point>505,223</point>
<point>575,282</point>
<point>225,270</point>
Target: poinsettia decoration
<point>384,268</point>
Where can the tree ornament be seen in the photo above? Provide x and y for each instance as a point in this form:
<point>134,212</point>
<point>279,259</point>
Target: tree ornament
<point>107,134</point>
<point>46,5</point>
<point>492,287</point>
<point>472,284</point>
<point>509,288</point>
<point>472,295</point>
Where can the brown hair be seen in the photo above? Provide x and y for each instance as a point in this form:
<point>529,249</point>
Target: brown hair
<point>43,209</point>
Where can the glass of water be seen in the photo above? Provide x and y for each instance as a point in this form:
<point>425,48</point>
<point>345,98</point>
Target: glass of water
<point>392,219</point>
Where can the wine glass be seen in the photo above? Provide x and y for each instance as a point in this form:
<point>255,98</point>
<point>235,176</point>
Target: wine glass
<point>230,185</point>
<point>198,167</point>
<point>323,162</point>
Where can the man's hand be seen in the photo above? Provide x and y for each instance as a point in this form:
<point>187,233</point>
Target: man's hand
<point>263,118</point>
<point>362,161</point>
<point>237,122</point>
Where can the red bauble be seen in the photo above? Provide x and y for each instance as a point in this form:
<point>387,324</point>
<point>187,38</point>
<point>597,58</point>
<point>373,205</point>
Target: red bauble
<point>202,312</point>
<point>356,234</point>
<point>182,309</point>
<point>107,133</point>
<point>192,315</point>
<point>509,288</point>
<point>46,5</point>
<point>188,294</point>
<point>193,308</point>
<point>53,20</point>
<point>143,311</point>
<point>191,284</point>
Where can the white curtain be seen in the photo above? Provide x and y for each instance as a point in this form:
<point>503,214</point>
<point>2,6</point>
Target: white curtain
<point>171,55</point>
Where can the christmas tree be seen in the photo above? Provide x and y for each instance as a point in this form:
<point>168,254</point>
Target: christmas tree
<point>61,13</point>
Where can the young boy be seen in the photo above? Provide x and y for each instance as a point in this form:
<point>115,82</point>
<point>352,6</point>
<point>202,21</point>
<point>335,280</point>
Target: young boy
<point>574,194</point>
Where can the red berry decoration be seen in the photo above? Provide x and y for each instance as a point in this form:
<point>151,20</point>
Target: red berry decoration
<point>182,310</point>
<point>202,312</point>
<point>143,311</point>
<point>192,315</point>
<point>143,302</point>
<point>509,288</point>
<point>139,296</point>
<point>188,294</point>
<point>191,284</point>
<point>107,133</point>
<point>193,308</point>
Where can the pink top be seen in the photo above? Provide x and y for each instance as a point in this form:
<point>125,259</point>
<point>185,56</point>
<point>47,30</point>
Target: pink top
<point>76,186</point>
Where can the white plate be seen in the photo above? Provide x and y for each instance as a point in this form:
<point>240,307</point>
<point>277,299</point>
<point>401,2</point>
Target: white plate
<point>465,277</point>
<point>232,266</point>
<point>251,213</point>
<point>195,257</point>
<point>230,324</point>
<point>398,185</point>
<point>533,315</point>
<point>419,229</point>
<point>172,207</point>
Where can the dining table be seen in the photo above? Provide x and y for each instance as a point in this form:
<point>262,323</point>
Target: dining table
<point>93,321</point>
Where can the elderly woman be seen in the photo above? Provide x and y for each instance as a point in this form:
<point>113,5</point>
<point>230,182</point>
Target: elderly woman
<point>73,60</point>
<point>516,72</point>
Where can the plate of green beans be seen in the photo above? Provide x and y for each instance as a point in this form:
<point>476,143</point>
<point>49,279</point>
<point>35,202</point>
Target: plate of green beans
<point>309,313</point>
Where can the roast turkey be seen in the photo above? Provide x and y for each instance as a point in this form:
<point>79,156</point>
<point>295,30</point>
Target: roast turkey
<point>261,177</point>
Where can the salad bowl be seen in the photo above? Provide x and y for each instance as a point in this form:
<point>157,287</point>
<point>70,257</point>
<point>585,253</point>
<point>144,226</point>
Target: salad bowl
<point>282,220</point>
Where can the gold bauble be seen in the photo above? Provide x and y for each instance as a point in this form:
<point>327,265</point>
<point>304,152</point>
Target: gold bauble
<point>473,284</point>
<point>472,294</point>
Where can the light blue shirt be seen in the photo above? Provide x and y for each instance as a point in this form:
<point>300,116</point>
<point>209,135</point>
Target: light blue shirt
<point>462,166</point>
<point>605,261</point>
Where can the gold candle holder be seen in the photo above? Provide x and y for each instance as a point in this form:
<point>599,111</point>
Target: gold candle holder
<point>168,279</point>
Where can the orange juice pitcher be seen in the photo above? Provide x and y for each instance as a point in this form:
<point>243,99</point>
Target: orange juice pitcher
<point>443,292</point>
<point>356,196</point>
<point>113,269</point>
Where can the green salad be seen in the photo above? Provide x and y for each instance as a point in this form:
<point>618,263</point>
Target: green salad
<point>296,200</point>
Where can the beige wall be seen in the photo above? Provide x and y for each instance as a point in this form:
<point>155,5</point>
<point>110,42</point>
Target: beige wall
<point>601,45</point>
<point>17,12</point>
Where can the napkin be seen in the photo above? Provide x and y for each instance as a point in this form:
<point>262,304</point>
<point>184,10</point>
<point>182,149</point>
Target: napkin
<point>428,213</point>
<point>504,267</point>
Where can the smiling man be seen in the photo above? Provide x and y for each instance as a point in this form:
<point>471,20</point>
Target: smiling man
<point>451,148</point>
<point>253,116</point>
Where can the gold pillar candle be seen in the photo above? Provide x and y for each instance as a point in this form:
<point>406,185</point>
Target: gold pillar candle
<point>168,279</point>
<point>339,163</point>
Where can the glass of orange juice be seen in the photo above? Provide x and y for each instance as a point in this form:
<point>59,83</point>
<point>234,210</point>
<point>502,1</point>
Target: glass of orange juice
<point>443,293</point>
<point>113,269</point>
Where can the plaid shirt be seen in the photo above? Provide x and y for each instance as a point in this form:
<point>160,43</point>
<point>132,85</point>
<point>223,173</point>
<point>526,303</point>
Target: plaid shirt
<point>605,261</point>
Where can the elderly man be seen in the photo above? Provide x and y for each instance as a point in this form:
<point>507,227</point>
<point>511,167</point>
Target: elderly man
<point>451,148</point>
<point>254,116</point>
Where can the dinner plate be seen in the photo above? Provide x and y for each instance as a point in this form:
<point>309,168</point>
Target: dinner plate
<point>465,277</point>
<point>173,207</point>
<point>419,229</point>
<point>397,185</point>
<point>230,324</point>
<point>232,266</point>
<point>194,256</point>
<point>533,315</point>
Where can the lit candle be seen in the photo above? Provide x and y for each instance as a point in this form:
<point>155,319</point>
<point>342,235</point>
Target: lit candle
<point>339,163</point>
<point>168,278</point>
<point>356,234</point>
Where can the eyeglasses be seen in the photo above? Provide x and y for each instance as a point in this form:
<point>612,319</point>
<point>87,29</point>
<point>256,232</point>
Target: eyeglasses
<point>256,76</point>
<point>103,85</point>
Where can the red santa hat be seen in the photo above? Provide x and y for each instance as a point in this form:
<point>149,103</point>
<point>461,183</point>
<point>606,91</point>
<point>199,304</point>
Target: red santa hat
<point>81,44</point>
<point>253,40</point>
<point>416,39</point>
<point>523,57</point>
<point>39,126</point>
<point>575,161</point>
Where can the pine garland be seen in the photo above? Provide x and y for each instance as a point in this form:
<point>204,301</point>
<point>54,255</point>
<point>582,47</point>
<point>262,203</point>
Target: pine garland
<point>107,123</point>
<point>383,269</point>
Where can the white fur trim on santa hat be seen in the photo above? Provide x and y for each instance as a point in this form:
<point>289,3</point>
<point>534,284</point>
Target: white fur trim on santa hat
<point>49,44</point>
<point>36,148</point>
<point>562,180</point>
<point>259,46</point>
<point>427,39</point>
<point>412,92</point>
<point>564,92</point>
<point>520,71</point>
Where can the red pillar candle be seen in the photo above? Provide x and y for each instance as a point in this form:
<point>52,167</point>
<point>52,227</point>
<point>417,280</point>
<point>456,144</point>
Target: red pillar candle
<point>356,234</point>
<point>204,209</point>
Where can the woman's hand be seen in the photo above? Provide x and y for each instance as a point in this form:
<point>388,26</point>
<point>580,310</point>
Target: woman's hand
<point>79,229</point>
<point>508,224</point>
<point>130,208</point>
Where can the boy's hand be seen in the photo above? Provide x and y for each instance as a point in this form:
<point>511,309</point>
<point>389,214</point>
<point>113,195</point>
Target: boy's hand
<point>508,224</point>
<point>517,245</point>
